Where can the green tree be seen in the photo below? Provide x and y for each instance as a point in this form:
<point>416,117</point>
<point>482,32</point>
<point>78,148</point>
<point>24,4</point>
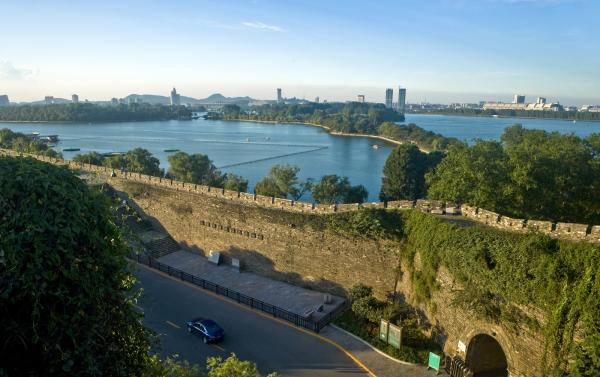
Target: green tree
<point>551,177</point>
<point>194,168</point>
<point>93,158</point>
<point>232,367</point>
<point>137,160</point>
<point>404,174</point>
<point>283,182</point>
<point>477,175</point>
<point>235,183</point>
<point>334,189</point>
<point>65,298</point>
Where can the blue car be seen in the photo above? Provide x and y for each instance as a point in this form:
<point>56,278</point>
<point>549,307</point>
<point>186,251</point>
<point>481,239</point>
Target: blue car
<point>206,328</point>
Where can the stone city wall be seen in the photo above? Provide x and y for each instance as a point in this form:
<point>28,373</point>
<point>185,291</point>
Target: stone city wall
<point>567,231</point>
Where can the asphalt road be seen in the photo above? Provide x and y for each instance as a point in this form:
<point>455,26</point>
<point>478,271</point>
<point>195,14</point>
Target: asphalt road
<point>167,305</point>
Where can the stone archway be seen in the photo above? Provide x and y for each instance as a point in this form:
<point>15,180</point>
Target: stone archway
<point>486,358</point>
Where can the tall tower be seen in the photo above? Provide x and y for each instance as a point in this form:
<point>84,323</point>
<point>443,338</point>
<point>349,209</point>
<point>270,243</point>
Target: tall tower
<point>175,98</point>
<point>4,100</point>
<point>389,97</point>
<point>75,98</point>
<point>401,100</point>
<point>360,98</point>
<point>520,99</point>
<point>279,98</point>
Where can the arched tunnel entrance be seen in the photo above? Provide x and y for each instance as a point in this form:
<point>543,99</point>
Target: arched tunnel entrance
<point>486,358</point>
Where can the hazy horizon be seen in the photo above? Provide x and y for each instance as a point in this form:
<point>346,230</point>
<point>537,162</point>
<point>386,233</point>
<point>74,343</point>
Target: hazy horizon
<point>442,51</point>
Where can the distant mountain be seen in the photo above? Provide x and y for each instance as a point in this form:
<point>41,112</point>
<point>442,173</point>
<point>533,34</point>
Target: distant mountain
<point>212,99</point>
<point>216,98</point>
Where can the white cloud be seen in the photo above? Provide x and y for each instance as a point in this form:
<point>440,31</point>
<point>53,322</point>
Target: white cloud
<point>10,72</point>
<point>263,26</point>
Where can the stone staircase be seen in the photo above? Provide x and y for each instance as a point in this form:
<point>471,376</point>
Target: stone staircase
<point>160,247</point>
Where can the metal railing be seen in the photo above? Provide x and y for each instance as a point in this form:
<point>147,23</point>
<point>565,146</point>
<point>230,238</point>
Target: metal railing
<point>241,298</point>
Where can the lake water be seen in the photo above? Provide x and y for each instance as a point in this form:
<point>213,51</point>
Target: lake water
<point>250,149</point>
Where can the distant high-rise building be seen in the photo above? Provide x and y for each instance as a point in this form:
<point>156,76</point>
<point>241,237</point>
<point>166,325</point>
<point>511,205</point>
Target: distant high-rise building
<point>317,99</point>
<point>541,100</point>
<point>389,98</point>
<point>360,98</point>
<point>401,106</point>
<point>279,97</point>
<point>75,98</point>
<point>519,98</point>
<point>175,98</point>
<point>4,100</point>
<point>49,100</point>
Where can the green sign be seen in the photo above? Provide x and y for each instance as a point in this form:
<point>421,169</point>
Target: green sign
<point>434,361</point>
<point>395,336</point>
<point>383,330</point>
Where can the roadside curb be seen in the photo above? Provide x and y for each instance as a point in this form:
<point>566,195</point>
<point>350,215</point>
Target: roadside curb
<point>350,355</point>
<point>372,346</point>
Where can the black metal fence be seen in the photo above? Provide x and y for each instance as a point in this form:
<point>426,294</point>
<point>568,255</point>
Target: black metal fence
<point>241,298</point>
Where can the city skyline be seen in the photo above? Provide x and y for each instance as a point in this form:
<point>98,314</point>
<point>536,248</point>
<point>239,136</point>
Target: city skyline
<point>489,50</point>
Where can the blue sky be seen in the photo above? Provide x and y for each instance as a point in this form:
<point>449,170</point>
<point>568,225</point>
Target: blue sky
<point>441,50</point>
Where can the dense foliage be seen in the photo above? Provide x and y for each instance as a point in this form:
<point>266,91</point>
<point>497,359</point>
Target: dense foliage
<point>332,189</point>
<point>195,168</point>
<point>24,143</point>
<point>500,271</point>
<point>411,133</point>
<point>283,182</point>
<point>350,118</point>
<point>404,173</point>
<point>138,160</point>
<point>530,174</point>
<point>65,298</point>
<point>88,112</point>
<point>565,115</point>
<point>364,317</point>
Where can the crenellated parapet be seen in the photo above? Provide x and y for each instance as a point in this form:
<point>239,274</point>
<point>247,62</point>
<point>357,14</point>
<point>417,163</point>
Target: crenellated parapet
<point>567,231</point>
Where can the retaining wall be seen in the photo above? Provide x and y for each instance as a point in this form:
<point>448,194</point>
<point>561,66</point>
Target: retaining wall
<point>567,231</point>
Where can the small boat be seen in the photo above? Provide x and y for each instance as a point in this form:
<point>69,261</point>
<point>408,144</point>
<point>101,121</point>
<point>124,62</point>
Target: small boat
<point>375,146</point>
<point>267,138</point>
<point>110,154</point>
<point>574,121</point>
<point>495,116</point>
<point>171,150</point>
<point>247,139</point>
<point>71,149</point>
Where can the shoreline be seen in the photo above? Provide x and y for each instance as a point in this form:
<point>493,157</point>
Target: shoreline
<point>506,117</point>
<point>329,131</point>
<point>85,122</point>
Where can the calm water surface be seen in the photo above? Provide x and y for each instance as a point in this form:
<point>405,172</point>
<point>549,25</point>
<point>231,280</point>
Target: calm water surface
<point>250,149</point>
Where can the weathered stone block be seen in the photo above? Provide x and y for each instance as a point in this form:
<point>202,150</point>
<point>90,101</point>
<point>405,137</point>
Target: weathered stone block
<point>488,217</point>
<point>264,200</point>
<point>283,203</point>
<point>594,235</point>
<point>347,207</point>
<point>540,226</point>
<point>401,204</point>
<point>423,205</point>
<point>248,197</point>
<point>230,194</point>
<point>571,230</point>
<point>511,223</point>
<point>468,211</point>
<point>324,208</point>
<point>452,209</point>
<point>373,205</point>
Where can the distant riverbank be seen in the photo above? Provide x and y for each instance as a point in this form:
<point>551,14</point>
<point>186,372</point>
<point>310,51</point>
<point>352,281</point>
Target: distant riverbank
<point>475,115</point>
<point>329,131</point>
